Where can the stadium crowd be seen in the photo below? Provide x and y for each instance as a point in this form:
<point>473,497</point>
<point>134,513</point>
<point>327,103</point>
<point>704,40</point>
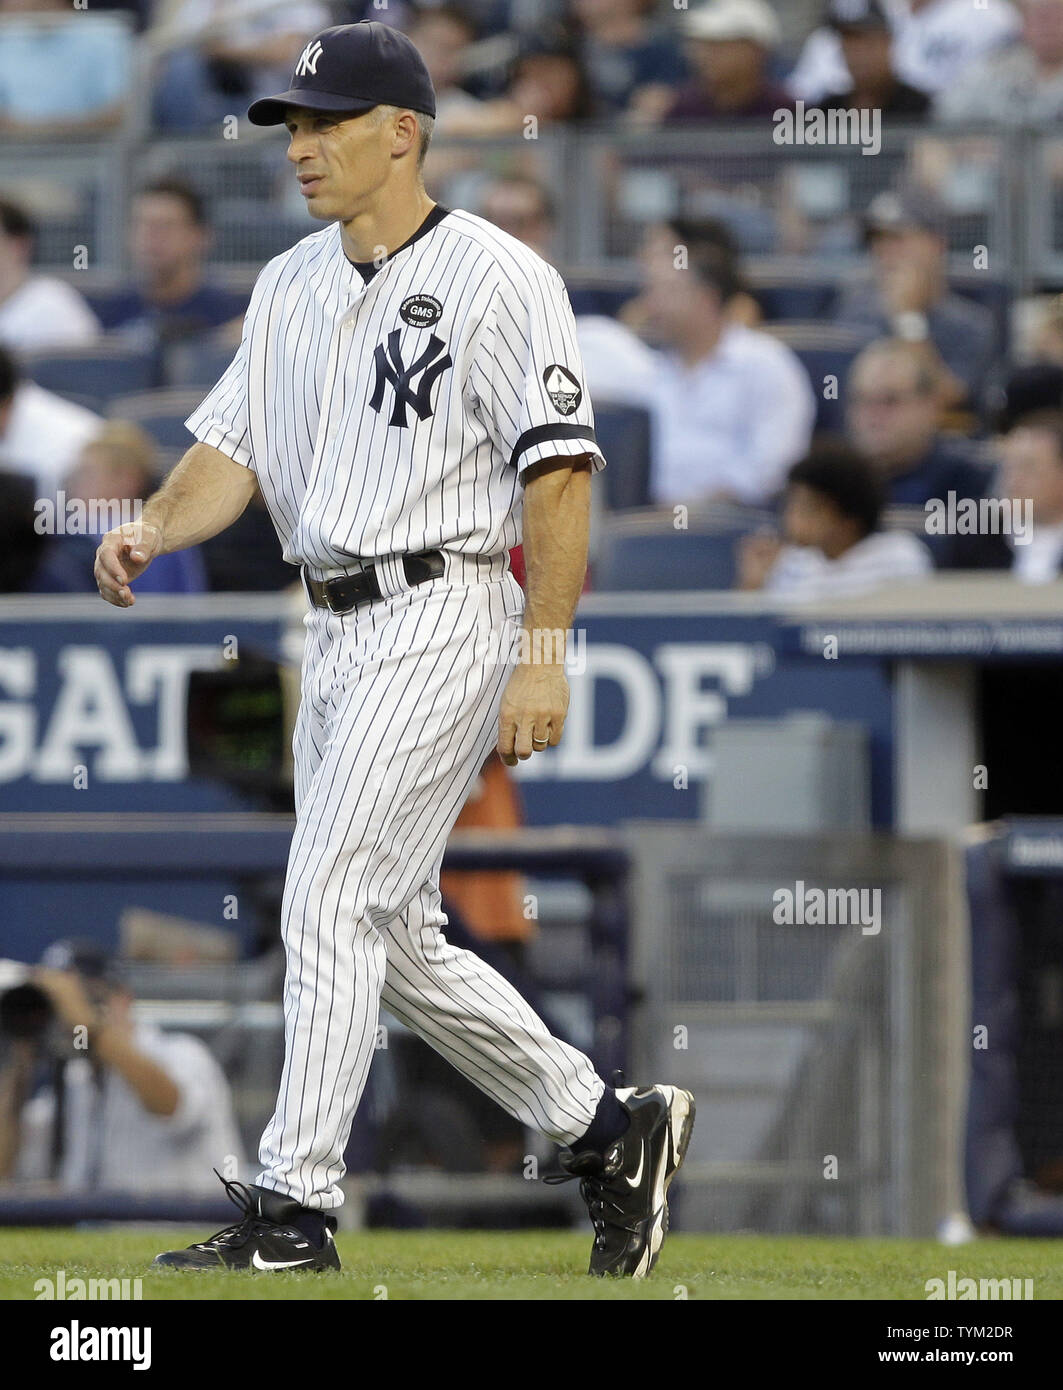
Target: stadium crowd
<point>822,448</point>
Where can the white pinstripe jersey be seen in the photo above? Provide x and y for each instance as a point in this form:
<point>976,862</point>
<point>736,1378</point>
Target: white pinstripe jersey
<point>397,415</point>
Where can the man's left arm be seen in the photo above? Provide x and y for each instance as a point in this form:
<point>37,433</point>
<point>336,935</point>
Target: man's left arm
<point>557,506</point>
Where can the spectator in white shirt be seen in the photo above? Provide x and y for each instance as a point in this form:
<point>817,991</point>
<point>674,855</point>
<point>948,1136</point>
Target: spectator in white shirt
<point>143,1111</point>
<point>230,59</point>
<point>41,434</point>
<point>62,71</point>
<point>1023,85</point>
<point>732,407</point>
<point>934,41</point>
<point>36,311</point>
<point>833,547</point>
<point>1031,477</point>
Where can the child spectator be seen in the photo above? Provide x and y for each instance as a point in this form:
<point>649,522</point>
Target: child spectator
<point>832,546</point>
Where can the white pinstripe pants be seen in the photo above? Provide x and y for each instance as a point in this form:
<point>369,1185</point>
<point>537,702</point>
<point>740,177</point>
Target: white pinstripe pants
<point>399,709</point>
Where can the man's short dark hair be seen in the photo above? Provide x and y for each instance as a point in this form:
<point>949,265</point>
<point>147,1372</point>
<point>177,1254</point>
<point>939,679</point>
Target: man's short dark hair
<point>547,202</point>
<point>716,268</point>
<point>9,375</point>
<point>172,187</point>
<point>704,231</point>
<point>1048,422</point>
<point>846,478</point>
<point>15,220</point>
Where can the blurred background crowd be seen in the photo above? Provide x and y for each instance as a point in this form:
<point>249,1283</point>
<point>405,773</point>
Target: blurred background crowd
<point>796,343</point>
<point>798,332</point>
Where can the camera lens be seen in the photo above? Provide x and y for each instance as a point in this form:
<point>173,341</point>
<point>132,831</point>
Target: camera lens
<point>25,1012</point>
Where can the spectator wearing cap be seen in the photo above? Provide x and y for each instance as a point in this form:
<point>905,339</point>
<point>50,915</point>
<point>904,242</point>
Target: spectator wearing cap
<point>36,311</point>
<point>139,1110</point>
<point>934,42</point>
<point>118,469</point>
<point>216,73</point>
<point>41,434</point>
<point>867,48</point>
<point>729,45</point>
<point>634,65</point>
<point>906,293</point>
<point>1021,86</point>
<point>61,73</point>
<point>833,545</point>
<point>1031,475</point>
<point>172,297</point>
<point>893,417</point>
<point>731,407</point>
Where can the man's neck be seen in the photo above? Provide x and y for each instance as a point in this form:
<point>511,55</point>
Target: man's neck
<point>871,95</point>
<point>378,231</point>
<point>700,343</point>
<point>897,464</point>
<point>11,280</point>
<point>176,285</point>
<point>740,92</point>
<point>841,542</point>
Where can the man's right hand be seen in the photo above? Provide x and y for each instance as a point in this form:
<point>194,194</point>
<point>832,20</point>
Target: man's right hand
<point>123,555</point>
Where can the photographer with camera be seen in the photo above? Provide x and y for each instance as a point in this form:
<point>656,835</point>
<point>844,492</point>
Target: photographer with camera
<point>91,1098</point>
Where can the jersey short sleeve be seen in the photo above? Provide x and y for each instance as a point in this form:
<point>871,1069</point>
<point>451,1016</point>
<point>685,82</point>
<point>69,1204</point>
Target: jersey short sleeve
<point>529,376</point>
<point>221,419</point>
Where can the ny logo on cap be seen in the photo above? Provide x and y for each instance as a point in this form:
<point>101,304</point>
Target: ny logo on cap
<point>308,59</point>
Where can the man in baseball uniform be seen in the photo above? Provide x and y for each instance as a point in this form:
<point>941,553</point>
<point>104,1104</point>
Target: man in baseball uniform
<point>407,393</point>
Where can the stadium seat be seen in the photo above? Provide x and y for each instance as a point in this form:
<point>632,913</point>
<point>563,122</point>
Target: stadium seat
<point>161,413</point>
<point>624,435</point>
<point>825,349</point>
<point>588,297</point>
<point>95,374</point>
<point>648,552</point>
<point>793,301</point>
<point>196,364</point>
<point>994,295</point>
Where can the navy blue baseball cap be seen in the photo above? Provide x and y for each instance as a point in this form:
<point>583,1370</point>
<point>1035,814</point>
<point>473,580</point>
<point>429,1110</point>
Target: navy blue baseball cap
<point>352,68</point>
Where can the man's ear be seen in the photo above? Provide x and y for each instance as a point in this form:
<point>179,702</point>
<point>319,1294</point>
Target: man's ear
<point>406,133</point>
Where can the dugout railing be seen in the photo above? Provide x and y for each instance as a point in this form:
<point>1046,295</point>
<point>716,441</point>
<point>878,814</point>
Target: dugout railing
<point>795,205</point>
<point>828,1059</point>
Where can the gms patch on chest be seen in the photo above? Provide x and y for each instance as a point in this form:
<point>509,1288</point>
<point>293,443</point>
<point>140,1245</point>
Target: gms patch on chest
<point>421,310</point>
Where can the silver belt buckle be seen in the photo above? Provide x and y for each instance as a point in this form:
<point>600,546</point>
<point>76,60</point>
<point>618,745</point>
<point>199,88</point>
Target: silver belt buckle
<point>328,600</point>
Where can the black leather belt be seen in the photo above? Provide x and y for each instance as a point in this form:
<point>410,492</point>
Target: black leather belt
<point>346,591</point>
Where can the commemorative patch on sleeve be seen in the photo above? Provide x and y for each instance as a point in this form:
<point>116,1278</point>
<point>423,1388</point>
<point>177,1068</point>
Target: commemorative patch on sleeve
<point>562,388</point>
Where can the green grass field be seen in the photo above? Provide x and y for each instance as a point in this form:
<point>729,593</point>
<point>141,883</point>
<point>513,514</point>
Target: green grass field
<point>543,1265</point>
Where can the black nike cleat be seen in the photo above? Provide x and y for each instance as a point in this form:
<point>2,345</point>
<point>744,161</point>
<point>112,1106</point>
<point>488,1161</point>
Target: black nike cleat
<point>626,1187</point>
<point>262,1240</point>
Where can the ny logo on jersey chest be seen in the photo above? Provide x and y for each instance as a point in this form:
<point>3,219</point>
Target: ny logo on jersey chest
<point>391,368</point>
